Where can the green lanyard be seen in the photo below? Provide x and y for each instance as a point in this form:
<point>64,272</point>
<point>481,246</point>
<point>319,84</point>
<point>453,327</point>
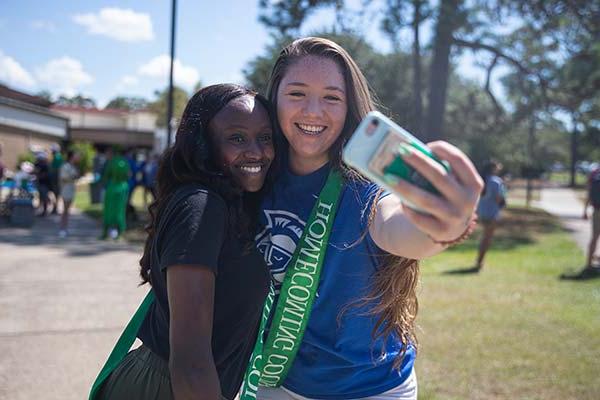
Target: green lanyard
<point>269,366</point>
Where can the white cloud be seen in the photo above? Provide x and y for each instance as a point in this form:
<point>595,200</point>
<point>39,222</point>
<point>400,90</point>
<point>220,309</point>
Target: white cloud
<point>13,74</point>
<point>63,75</point>
<point>121,24</point>
<point>129,80</point>
<point>42,25</point>
<point>158,67</point>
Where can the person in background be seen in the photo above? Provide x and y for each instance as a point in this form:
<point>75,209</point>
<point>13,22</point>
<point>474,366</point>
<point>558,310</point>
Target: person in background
<point>149,171</point>
<point>2,167</point>
<point>55,164</point>
<point>115,177</point>
<point>132,182</point>
<point>42,175</point>
<point>68,174</point>
<point>493,199</point>
<point>593,199</point>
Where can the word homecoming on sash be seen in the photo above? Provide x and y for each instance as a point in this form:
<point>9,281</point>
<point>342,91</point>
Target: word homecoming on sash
<point>297,294</point>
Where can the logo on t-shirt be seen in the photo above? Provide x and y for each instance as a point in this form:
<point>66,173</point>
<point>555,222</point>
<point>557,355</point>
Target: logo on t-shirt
<point>278,240</point>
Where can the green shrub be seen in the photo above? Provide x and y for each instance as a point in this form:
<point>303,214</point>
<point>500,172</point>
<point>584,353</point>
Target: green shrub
<point>87,153</point>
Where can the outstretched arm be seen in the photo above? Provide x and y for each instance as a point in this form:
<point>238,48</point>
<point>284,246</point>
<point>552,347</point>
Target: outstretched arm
<point>400,230</point>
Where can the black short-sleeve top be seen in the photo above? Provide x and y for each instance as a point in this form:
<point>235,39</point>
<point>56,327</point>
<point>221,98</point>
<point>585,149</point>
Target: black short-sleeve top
<point>193,230</point>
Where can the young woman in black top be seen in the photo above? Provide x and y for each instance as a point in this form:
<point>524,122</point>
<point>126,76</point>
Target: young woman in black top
<point>208,279</point>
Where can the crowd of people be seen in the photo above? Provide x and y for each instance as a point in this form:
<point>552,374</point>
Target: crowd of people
<point>53,176</point>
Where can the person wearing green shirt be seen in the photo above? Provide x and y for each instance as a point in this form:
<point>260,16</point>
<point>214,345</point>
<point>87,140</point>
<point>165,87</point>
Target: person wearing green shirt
<point>115,177</point>
<point>55,164</point>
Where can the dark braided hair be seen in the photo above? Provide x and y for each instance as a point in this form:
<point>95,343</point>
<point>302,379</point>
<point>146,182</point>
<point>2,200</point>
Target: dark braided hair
<point>192,160</point>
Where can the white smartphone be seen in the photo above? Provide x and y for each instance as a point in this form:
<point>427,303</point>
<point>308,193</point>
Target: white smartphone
<point>374,151</point>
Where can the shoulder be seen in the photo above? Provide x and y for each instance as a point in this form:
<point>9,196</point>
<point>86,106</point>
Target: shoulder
<point>364,189</point>
<point>199,197</point>
<point>496,180</point>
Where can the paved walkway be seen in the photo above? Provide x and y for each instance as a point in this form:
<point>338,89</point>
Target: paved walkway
<point>563,202</point>
<point>63,303</point>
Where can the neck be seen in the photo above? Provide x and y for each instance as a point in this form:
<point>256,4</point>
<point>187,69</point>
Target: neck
<point>303,166</point>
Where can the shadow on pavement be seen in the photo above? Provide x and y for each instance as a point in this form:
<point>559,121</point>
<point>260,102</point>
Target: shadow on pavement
<point>83,238</point>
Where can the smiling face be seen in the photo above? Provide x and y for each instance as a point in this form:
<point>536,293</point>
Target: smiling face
<point>243,139</point>
<point>311,108</point>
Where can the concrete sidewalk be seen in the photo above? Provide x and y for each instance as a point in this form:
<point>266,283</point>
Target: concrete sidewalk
<point>563,202</point>
<point>63,303</point>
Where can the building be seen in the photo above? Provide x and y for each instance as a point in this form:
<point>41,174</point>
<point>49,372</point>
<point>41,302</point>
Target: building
<point>109,127</point>
<point>26,123</point>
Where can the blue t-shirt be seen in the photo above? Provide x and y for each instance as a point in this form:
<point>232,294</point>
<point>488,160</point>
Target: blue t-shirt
<point>337,358</point>
<point>488,207</point>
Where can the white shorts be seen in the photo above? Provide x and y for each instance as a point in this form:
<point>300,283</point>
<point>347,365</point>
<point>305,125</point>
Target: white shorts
<point>406,391</point>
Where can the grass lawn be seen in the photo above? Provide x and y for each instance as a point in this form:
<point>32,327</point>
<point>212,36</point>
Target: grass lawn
<point>513,331</point>
<point>564,178</point>
<point>135,229</point>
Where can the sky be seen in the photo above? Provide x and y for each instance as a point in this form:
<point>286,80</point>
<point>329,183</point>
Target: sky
<point>103,49</point>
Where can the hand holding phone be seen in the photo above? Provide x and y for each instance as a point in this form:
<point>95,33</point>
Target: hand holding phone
<point>438,182</point>
<point>376,149</point>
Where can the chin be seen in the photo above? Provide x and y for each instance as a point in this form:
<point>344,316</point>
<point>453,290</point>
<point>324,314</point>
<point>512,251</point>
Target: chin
<point>252,187</point>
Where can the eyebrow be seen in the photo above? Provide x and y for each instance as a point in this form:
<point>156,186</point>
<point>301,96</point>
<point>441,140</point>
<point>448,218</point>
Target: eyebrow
<point>302,84</point>
<point>237,126</point>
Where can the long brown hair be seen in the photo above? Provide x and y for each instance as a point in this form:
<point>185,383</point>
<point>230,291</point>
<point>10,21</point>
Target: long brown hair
<point>191,160</point>
<point>392,296</point>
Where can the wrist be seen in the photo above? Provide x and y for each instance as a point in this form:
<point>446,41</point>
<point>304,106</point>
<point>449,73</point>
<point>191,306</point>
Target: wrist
<point>470,227</point>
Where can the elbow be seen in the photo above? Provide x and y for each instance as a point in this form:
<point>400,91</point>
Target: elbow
<point>194,379</point>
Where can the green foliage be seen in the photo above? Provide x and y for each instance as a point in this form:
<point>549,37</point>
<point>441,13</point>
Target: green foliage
<point>86,152</point>
<point>127,103</point>
<point>77,100</point>
<point>550,50</point>
<point>286,17</point>
<point>160,105</point>
<point>29,156</point>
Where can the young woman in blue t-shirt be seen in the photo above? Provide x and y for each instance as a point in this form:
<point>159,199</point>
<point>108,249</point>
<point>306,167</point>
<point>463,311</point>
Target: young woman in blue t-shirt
<point>360,340</point>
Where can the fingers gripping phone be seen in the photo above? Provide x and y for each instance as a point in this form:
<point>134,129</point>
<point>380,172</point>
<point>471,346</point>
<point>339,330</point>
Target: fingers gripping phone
<point>374,150</point>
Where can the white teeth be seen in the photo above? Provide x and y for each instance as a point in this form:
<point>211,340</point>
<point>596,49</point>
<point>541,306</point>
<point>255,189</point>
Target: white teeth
<point>251,170</point>
<point>312,129</point>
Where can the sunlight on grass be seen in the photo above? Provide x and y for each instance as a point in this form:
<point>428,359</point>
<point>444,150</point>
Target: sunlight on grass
<point>514,330</point>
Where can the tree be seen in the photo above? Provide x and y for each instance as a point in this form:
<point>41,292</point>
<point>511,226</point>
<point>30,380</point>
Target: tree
<point>45,94</point>
<point>77,101</point>
<point>286,17</point>
<point>127,103</point>
<point>159,106</point>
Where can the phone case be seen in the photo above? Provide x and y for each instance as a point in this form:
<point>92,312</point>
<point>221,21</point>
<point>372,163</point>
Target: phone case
<point>373,151</point>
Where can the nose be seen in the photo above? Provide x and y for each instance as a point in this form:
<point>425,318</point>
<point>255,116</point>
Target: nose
<point>254,150</point>
<point>312,106</point>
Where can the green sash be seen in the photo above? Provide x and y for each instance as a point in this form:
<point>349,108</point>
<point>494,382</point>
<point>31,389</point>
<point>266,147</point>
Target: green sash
<point>123,344</point>
<point>269,366</point>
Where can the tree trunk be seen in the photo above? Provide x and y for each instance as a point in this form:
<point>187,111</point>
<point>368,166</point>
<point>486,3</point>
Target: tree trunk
<point>573,150</point>
<point>531,156</point>
<point>418,102</point>
<point>440,68</point>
